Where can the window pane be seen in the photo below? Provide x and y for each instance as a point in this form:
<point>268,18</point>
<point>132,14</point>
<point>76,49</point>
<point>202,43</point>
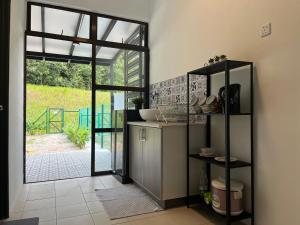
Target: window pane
<point>119,67</point>
<point>34,44</point>
<point>103,152</point>
<point>84,50</point>
<point>60,22</point>
<point>57,46</point>
<point>120,31</point>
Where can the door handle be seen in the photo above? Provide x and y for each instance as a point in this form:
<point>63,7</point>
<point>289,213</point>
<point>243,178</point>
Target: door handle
<point>1,108</point>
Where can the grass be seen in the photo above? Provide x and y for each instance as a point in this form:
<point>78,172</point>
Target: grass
<point>40,97</point>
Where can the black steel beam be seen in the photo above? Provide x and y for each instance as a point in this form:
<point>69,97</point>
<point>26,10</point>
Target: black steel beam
<point>108,30</point>
<point>78,26</point>
<point>87,41</point>
<point>119,88</point>
<point>43,28</point>
<point>65,58</point>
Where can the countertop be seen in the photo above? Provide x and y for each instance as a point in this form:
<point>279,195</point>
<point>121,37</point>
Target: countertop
<point>159,124</point>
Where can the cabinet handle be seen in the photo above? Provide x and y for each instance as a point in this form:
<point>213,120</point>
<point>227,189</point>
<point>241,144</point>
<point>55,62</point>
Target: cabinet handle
<point>143,134</point>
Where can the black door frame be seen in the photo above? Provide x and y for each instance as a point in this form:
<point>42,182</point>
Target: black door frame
<point>4,101</point>
<point>94,42</point>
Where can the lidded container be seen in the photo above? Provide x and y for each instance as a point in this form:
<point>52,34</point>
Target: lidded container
<point>219,196</point>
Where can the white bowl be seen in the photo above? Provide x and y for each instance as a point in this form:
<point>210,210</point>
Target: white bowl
<point>149,114</point>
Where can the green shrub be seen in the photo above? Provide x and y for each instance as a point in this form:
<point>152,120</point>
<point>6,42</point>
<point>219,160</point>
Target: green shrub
<point>78,136</point>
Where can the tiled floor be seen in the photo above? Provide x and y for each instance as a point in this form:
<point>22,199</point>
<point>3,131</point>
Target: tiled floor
<point>73,202</point>
<point>65,165</point>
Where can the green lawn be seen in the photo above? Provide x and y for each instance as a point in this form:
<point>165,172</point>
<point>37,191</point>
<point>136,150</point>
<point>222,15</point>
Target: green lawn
<point>40,97</point>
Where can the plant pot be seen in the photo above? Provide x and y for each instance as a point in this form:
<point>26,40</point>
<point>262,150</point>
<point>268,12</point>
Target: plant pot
<point>138,106</point>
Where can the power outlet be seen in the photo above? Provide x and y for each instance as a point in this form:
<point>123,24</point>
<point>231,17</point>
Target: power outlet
<point>266,30</point>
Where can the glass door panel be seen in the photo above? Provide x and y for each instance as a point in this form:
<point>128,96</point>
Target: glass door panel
<point>109,124</point>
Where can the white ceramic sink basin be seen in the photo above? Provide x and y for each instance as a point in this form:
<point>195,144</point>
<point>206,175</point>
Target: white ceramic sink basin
<point>149,114</point>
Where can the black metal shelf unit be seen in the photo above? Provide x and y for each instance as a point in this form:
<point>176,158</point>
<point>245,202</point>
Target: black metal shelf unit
<point>224,66</point>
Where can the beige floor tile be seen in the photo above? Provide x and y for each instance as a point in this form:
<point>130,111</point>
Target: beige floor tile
<point>18,207</point>
<point>53,222</point>
<point>40,195</point>
<point>40,204</point>
<point>43,214</point>
<point>95,207</point>
<point>66,184</point>
<point>65,191</point>
<point>138,217</point>
<point>90,197</point>
<point>71,211</point>
<point>91,186</point>
<point>70,200</point>
<point>41,187</point>
<point>101,219</point>
<point>109,181</point>
<point>78,220</point>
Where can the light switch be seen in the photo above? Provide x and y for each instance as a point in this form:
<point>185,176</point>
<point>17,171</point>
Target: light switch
<point>266,30</point>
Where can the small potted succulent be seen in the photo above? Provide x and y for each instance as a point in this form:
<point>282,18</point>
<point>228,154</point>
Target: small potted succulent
<point>217,59</point>
<point>138,102</point>
<point>223,57</point>
<point>211,61</point>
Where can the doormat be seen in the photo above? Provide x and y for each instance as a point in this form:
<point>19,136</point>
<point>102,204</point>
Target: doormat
<point>126,201</point>
<point>31,221</point>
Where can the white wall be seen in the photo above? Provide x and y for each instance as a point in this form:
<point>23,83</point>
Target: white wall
<point>16,99</point>
<point>130,9</point>
<point>184,34</point>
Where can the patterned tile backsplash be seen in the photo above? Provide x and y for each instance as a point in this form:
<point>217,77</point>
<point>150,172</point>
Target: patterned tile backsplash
<point>171,95</point>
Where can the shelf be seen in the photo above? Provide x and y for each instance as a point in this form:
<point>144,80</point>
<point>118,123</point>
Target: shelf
<point>211,160</point>
<point>207,211</point>
<point>221,114</point>
<point>219,67</point>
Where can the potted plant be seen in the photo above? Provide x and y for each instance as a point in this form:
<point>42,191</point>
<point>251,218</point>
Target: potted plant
<point>223,57</point>
<point>207,196</point>
<point>138,102</point>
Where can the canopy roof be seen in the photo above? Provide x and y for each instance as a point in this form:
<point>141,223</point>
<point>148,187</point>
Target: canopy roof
<point>56,21</point>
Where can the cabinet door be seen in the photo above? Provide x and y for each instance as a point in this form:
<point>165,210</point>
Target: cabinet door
<point>152,161</point>
<point>135,154</point>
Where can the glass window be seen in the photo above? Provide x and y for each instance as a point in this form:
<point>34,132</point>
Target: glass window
<point>34,44</point>
<point>60,22</point>
<point>118,67</point>
<point>120,31</point>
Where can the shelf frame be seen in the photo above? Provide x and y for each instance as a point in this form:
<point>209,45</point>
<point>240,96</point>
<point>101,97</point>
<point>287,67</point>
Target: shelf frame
<point>224,66</point>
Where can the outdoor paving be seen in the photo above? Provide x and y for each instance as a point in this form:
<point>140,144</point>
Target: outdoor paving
<point>54,157</point>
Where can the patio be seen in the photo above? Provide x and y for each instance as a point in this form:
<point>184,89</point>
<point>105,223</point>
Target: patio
<point>54,157</point>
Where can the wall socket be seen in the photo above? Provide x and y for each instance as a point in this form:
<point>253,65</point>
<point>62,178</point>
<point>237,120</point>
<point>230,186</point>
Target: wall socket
<point>266,30</point>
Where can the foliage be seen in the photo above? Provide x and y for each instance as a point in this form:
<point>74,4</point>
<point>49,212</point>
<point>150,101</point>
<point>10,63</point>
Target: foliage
<point>40,97</point>
<point>64,74</point>
<point>32,129</point>
<point>138,101</point>
<point>77,135</point>
<point>207,197</point>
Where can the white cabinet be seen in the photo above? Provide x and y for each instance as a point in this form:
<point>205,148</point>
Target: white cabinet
<point>145,158</point>
<point>157,159</point>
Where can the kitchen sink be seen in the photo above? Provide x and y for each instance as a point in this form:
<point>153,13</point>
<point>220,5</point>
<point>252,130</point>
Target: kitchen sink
<point>149,114</point>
